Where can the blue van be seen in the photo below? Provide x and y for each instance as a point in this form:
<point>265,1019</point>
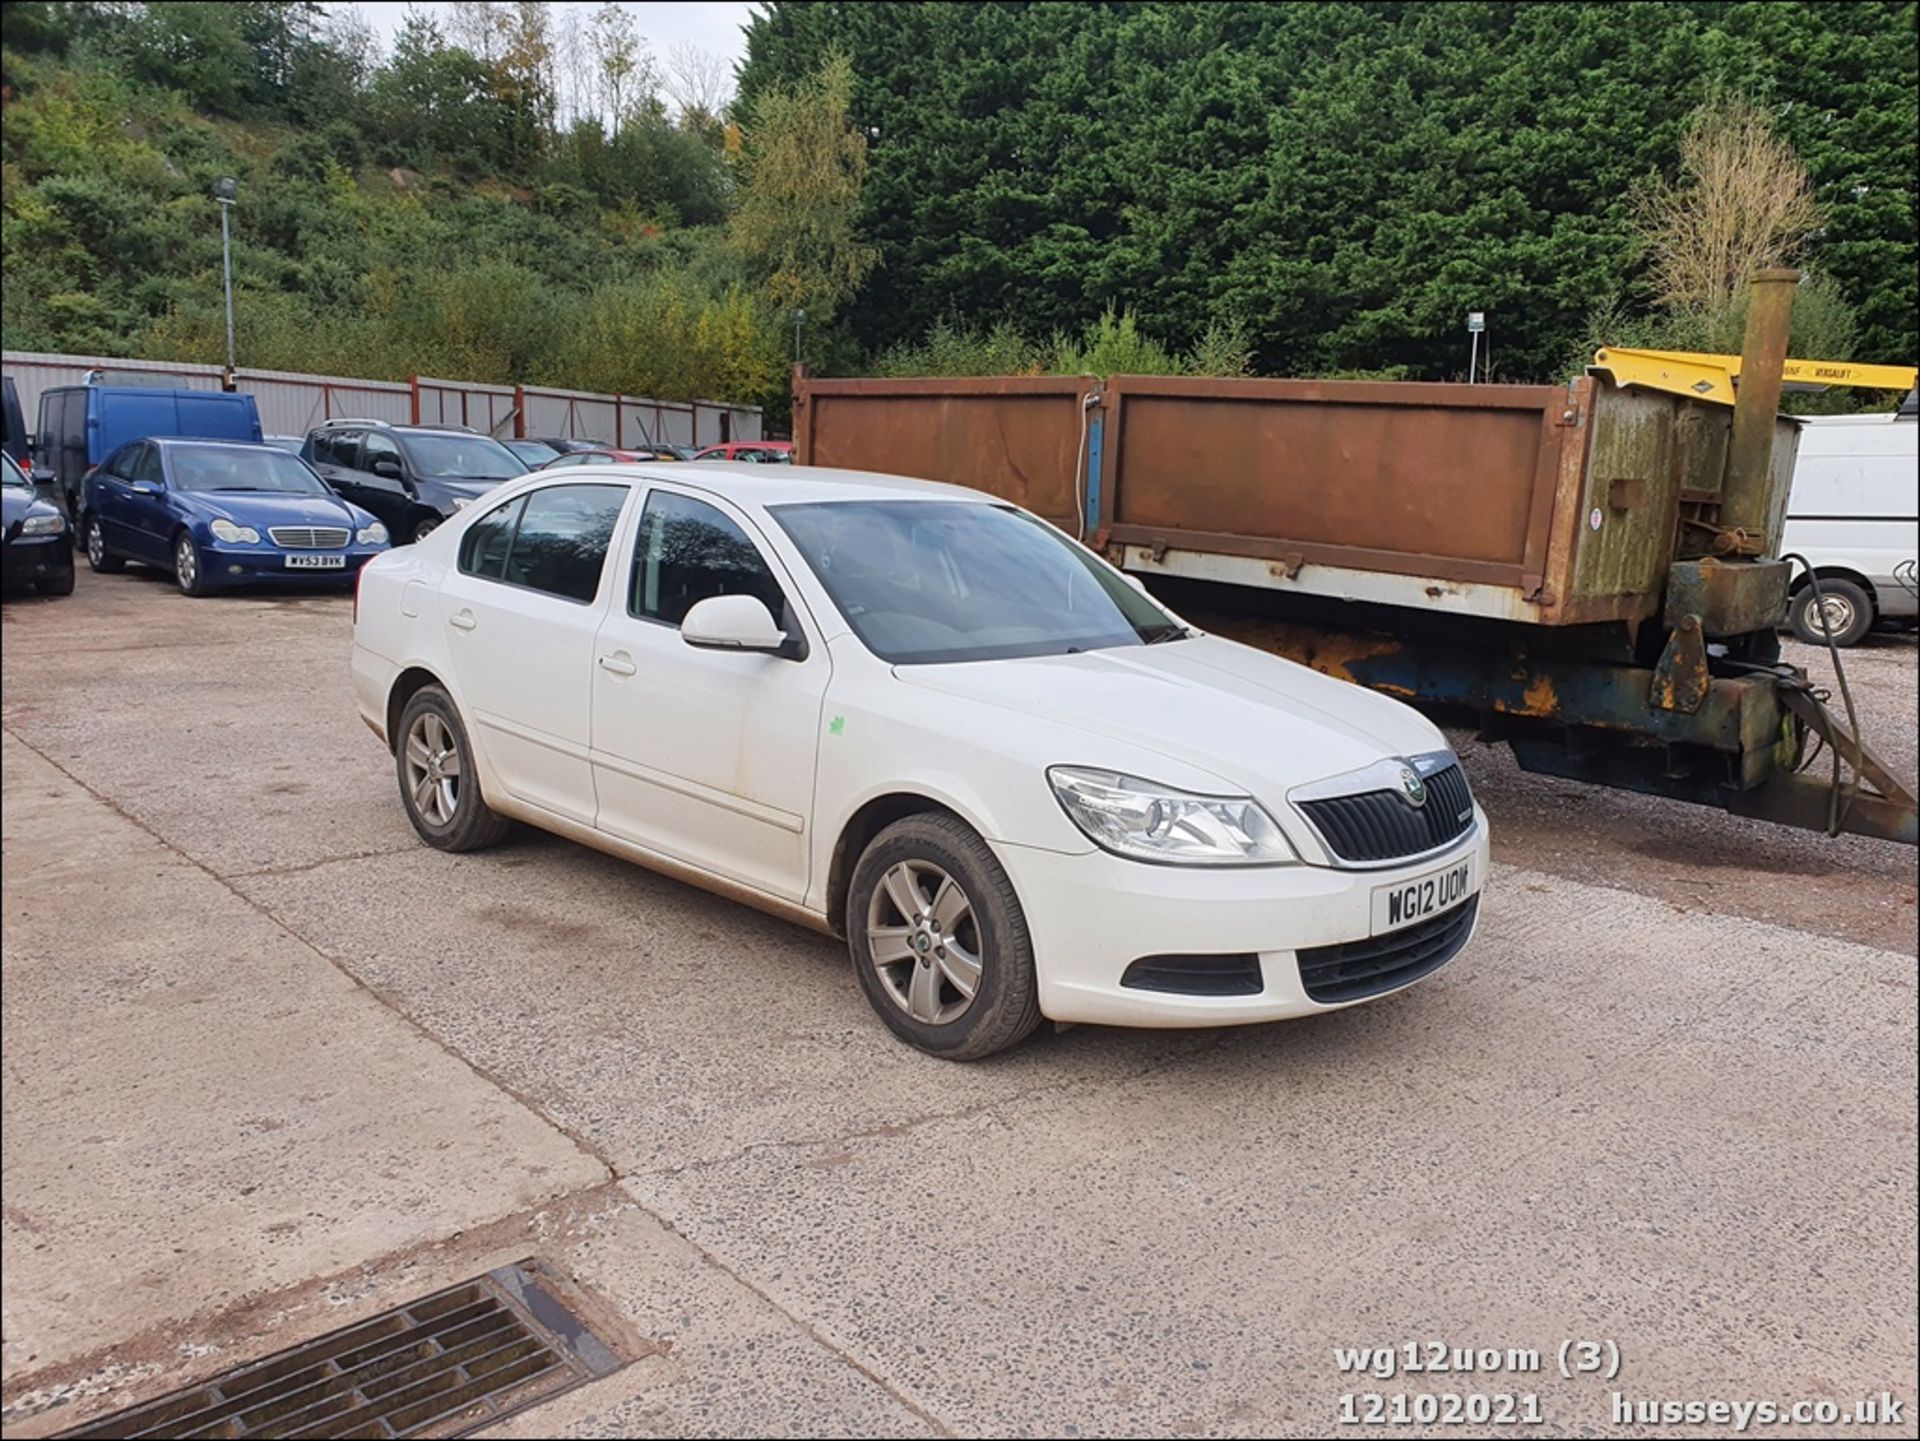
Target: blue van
<point>81,425</point>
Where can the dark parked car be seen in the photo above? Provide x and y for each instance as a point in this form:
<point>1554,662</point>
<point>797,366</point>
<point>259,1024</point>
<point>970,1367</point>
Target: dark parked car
<point>37,549</point>
<point>565,443</point>
<point>221,513</point>
<point>411,476</point>
<point>535,453</point>
<point>13,439</point>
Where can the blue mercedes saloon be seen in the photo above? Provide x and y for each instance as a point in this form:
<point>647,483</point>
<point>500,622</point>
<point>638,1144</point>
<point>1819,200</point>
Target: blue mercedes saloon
<point>220,513</point>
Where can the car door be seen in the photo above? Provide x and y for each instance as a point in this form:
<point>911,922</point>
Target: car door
<point>107,495</point>
<point>383,487</point>
<point>521,608</point>
<point>705,755</point>
<point>149,523</point>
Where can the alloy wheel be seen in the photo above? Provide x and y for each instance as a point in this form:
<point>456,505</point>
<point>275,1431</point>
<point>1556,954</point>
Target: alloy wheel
<point>924,941</point>
<point>433,769</point>
<point>96,544</point>
<point>186,564</point>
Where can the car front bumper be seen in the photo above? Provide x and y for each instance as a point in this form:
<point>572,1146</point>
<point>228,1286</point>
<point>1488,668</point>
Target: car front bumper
<point>1091,915</point>
<point>248,564</point>
<point>28,558</point>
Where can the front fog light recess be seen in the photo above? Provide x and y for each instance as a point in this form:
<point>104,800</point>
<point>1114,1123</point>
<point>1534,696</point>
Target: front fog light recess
<point>1151,822</point>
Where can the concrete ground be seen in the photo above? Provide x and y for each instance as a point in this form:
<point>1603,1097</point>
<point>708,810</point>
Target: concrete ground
<point>271,1065</point>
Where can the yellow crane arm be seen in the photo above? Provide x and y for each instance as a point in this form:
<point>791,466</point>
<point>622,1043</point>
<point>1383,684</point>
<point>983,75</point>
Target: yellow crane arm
<point>1713,377</point>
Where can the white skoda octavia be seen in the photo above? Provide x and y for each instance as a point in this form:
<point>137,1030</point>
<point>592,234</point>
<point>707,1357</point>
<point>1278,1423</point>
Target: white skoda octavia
<point>919,717</point>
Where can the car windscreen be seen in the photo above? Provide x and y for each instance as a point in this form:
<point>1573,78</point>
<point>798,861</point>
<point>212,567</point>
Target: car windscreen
<point>13,474</point>
<point>462,457</point>
<point>927,581</point>
<point>211,467</point>
<point>533,452</point>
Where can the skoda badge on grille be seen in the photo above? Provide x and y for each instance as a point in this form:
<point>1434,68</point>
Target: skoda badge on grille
<point>1412,787</point>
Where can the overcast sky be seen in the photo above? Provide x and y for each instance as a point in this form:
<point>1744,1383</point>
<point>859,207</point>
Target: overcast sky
<point>712,25</point>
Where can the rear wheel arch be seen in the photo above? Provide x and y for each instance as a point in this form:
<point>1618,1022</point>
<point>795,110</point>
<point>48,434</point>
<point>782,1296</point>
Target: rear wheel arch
<point>406,685</point>
<point>1836,572</point>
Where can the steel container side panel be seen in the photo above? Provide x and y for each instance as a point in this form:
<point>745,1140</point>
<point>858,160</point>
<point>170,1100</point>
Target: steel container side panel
<point>1786,455</point>
<point>1015,438</point>
<point>1419,482</point>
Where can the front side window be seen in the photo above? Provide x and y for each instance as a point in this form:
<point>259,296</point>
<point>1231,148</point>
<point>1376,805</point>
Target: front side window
<point>261,468</point>
<point>380,447</point>
<point>689,551</point>
<point>930,581</point>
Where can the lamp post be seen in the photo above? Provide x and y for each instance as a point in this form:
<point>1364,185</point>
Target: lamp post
<point>224,189</point>
<point>799,319</point>
<point>1476,322</point>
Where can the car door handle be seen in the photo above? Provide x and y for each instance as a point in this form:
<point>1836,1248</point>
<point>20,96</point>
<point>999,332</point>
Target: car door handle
<point>462,620</point>
<point>619,663</point>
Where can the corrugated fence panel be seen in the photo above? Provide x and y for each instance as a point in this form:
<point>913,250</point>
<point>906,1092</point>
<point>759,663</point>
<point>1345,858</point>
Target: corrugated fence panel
<point>292,403</point>
<point>33,372</point>
<point>489,409</point>
<point>574,413</point>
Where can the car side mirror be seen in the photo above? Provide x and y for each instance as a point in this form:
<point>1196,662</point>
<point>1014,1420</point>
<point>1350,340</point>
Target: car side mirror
<point>146,487</point>
<point>389,468</point>
<point>734,622</point>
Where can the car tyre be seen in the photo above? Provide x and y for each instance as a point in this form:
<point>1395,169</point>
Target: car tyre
<point>931,911</point>
<point>99,558</point>
<point>189,567</point>
<point>61,584</point>
<point>424,528</point>
<point>439,785</point>
<point>1849,609</point>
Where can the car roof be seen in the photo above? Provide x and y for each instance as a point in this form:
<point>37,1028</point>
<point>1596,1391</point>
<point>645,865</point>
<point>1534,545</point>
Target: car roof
<point>765,485</point>
<point>223,442</point>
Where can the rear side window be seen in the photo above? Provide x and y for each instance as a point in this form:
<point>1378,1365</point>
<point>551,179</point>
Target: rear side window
<point>335,447</point>
<point>483,549</point>
<point>688,551</point>
<point>561,544</point>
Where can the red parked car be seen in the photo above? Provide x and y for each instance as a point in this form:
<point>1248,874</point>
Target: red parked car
<point>763,452</point>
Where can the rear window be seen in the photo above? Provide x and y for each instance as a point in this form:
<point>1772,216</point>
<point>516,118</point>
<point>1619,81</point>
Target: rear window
<point>553,541</point>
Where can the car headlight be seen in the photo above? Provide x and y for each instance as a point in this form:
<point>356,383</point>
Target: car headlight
<point>234,534</point>
<point>461,502</point>
<point>375,534</point>
<point>1150,822</point>
<point>43,525</point>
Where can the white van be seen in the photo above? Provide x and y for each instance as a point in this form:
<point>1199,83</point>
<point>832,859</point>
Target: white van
<point>1853,514</point>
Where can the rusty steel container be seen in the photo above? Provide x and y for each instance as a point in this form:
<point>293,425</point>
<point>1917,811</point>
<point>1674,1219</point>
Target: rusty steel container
<point>1553,505</point>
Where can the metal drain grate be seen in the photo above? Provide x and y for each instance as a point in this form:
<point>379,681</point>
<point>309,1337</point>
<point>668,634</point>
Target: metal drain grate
<point>445,1365</point>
